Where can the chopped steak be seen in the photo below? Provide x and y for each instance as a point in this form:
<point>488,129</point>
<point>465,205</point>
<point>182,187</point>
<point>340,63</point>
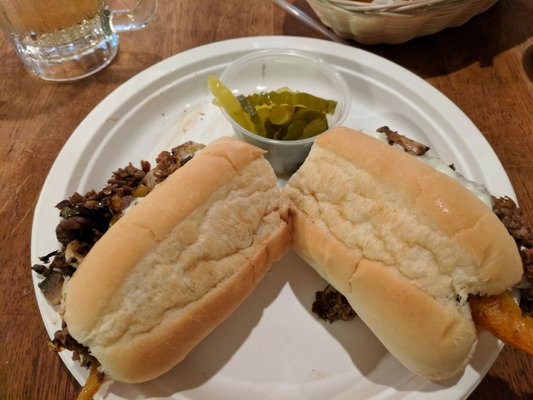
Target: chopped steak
<point>58,264</point>
<point>527,259</point>
<point>409,145</point>
<point>511,216</point>
<point>77,228</point>
<point>526,285</point>
<point>330,305</point>
<point>84,220</point>
<point>63,340</point>
<point>51,287</point>
<point>46,259</point>
<point>54,275</point>
<point>77,250</point>
<point>86,217</point>
<point>168,162</point>
<point>125,180</point>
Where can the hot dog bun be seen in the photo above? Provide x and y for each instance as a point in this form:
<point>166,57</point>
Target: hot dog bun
<point>176,265</point>
<point>405,243</point>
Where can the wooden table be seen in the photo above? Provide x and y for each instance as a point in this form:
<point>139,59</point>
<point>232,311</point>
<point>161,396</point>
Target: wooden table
<point>485,67</point>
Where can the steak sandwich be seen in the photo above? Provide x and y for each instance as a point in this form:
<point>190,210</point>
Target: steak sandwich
<point>178,263</point>
<point>406,245</point>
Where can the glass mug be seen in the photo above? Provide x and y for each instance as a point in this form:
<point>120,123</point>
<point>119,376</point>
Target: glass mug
<point>63,40</point>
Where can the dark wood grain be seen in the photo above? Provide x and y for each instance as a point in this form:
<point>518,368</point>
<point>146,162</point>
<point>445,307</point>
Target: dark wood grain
<point>485,67</point>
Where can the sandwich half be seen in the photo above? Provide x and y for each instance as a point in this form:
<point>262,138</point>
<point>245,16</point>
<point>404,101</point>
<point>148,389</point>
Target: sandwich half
<point>179,263</point>
<point>406,245</point>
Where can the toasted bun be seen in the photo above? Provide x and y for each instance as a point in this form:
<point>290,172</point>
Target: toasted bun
<point>404,243</point>
<point>176,265</point>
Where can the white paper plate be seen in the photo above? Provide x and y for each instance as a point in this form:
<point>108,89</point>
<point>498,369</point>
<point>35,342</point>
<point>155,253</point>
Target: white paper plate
<point>272,347</point>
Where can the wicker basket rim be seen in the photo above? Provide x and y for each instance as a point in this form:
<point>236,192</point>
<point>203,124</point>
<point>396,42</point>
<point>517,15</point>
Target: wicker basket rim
<point>398,6</point>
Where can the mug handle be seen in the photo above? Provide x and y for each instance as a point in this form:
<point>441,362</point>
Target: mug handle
<point>131,18</point>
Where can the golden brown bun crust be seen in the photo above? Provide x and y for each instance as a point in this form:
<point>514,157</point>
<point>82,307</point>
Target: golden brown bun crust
<point>362,211</point>
<point>402,306</point>
<point>176,265</point>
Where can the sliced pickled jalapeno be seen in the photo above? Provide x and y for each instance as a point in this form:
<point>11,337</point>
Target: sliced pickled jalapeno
<point>280,115</point>
<point>254,115</point>
<point>295,129</point>
<point>225,99</point>
<point>316,126</point>
<point>300,99</point>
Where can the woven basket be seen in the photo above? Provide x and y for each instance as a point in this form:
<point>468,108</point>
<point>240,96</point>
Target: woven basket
<point>396,21</point>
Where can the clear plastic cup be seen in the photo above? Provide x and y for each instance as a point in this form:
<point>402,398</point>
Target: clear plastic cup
<point>268,70</point>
